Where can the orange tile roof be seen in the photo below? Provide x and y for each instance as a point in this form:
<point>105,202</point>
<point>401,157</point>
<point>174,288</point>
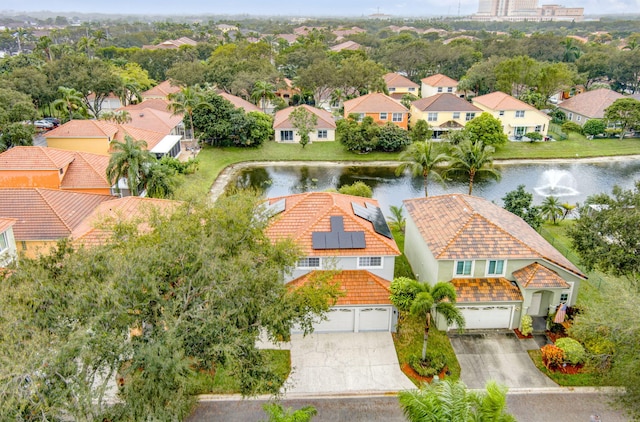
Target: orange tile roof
<point>359,286</point>
<point>239,102</point>
<point>35,158</point>
<point>5,223</point>
<point>347,45</point>
<point>373,103</point>
<point>485,290</point>
<point>87,171</point>
<point>591,103</point>
<point>444,102</point>
<point>155,120</point>
<point>46,214</point>
<point>458,226</point>
<point>163,89</point>
<point>93,229</point>
<point>309,212</point>
<point>439,80</point>
<point>501,101</point>
<point>325,119</point>
<point>539,277</point>
<point>84,129</point>
<point>161,104</point>
<point>152,138</point>
<point>395,80</point>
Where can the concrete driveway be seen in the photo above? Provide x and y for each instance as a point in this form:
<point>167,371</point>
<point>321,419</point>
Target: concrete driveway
<point>498,356</point>
<point>344,363</point>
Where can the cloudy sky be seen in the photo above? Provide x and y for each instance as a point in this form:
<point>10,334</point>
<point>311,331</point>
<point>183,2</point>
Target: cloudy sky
<point>302,8</point>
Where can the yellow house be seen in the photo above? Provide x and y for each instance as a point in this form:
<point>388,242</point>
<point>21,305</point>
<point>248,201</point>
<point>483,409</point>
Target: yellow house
<point>517,117</point>
<point>7,241</point>
<point>443,113</point>
<point>398,86</point>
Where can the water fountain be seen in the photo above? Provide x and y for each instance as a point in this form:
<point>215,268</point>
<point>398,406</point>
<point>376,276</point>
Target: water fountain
<point>556,183</point>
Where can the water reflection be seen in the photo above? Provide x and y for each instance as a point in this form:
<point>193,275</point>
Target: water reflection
<point>389,189</point>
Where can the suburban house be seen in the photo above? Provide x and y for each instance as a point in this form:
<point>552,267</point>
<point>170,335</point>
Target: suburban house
<point>325,129</point>
<point>399,85</point>
<point>110,103</point>
<point>8,251</point>
<point>588,105</point>
<point>517,117</point>
<point>347,239</point>
<point>239,102</point>
<point>443,113</point>
<point>500,267</point>
<point>162,90</point>
<point>160,104</point>
<point>438,84</point>
<point>52,168</point>
<point>347,45</point>
<point>382,108</point>
<point>172,44</point>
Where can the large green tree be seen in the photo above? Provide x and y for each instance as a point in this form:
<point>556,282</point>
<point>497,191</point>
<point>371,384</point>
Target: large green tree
<point>185,101</point>
<point>421,158</point>
<point>304,122</point>
<point>472,159</point>
<point>520,203</point>
<point>624,112</point>
<point>486,129</point>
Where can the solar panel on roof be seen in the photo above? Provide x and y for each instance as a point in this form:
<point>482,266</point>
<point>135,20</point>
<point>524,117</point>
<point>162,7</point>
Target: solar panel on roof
<point>337,238</point>
<point>357,239</point>
<point>375,216</point>
<point>332,241</point>
<point>344,239</point>
<point>318,240</point>
<point>337,224</point>
<point>276,208</point>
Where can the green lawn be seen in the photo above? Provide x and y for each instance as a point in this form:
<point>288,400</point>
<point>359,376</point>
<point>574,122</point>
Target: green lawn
<point>575,146</point>
<point>586,378</point>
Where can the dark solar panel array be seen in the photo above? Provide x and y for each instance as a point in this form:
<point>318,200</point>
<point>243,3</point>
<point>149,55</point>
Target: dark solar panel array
<point>337,238</point>
<point>276,208</point>
<point>374,215</point>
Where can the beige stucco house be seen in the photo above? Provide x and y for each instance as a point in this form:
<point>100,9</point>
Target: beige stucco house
<point>438,84</point>
<point>517,117</point>
<point>443,113</point>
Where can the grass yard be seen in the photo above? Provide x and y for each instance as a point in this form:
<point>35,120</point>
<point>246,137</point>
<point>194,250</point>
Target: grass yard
<point>402,267</point>
<point>225,382</point>
<point>574,147</point>
<point>586,378</point>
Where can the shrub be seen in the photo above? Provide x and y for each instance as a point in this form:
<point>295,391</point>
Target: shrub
<point>434,363</point>
<point>358,188</point>
<point>571,127</point>
<point>526,324</point>
<point>573,351</point>
<point>552,356</point>
<point>533,136</point>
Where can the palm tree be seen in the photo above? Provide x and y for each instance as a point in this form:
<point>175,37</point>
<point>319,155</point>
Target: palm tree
<point>551,209</point>
<point>263,91</point>
<point>421,158</point>
<point>424,299</point>
<point>159,181</point>
<point>130,160</point>
<point>397,220</point>
<point>451,401</point>
<point>472,159</point>
<point>571,51</point>
<point>186,101</point>
<point>72,100</point>
<point>567,208</point>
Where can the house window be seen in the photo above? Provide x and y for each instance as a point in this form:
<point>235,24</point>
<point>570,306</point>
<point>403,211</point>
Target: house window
<point>520,130</point>
<point>360,117</point>
<point>470,116</point>
<point>501,113</point>
<point>24,245</point>
<point>432,117</point>
<point>495,267</point>
<point>519,113</point>
<point>383,116</point>
<point>396,117</point>
<point>4,244</point>
<point>450,89</point>
<point>464,268</point>
<point>322,134</point>
<point>286,135</point>
<point>439,89</point>
<point>579,118</point>
<point>570,116</point>
<point>456,114</point>
<point>309,262</point>
<point>564,297</point>
<point>370,262</point>
<point>538,129</point>
<point>392,90</point>
<point>413,89</point>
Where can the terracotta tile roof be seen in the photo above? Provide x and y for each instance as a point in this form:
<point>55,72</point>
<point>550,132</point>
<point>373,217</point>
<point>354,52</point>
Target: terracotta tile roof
<point>325,119</point>
<point>444,102</point>
<point>152,138</point>
<point>239,102</point>
<point>309,212</point>
<point>93,229</point>
<point>87,171</point>
<point>347,45</point>
<point>395,80</point>
<point>35,158</point>
<point>161,104</point>
<point>5,223</point>
<point>84,129</point>
<point>439,80</point>
<point>501,101</point>
<point>290,38</point>
<point>46,214</point>
<point>373,103</point>
<point>458,226</point>
<point>155,120</point>
<point>162,90</point>
<point>591,103</point>
<point>538,276</point>
<point>360,286</point>
<point>485,290</point>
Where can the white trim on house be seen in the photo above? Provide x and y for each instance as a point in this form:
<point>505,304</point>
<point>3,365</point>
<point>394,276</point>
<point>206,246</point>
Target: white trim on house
<point>369,262</point>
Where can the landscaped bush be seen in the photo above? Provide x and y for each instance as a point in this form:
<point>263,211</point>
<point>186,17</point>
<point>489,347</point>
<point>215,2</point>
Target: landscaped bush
<point>533,136</point>
<point>526,322</point>
<point>552,356</point>
<point>434,363</point>
<point>571,127</point>
<point>574,352</point>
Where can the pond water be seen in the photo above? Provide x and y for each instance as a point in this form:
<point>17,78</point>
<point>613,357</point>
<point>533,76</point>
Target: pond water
<point>570,182</point>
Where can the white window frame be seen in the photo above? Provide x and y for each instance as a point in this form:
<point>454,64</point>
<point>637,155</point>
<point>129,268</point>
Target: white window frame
<point>455,268</point>
<point>392,89</point>
<point>570,116</point>
<point>456,114</point>
<point>384,116</point>
<point>368,262</point>
<point>450,89</point>
<point>578,118</point>
<point>396,117</point>
<point>360,117</point>
<point>4,242</point>
<point>439,89</point>
<point>568,292</point>
<point>412,89</point>
<point>519,113</point>
<point>284,135</point>
<point>504,266</point>
<point>538,128</point>
<point>432,117</point>
<point>501,113</point>
<point>308,263</point>
<point>322,134</point>
<point>469,116</point>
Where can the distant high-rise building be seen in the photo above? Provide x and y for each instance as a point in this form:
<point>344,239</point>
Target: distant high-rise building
<point>521,10</point>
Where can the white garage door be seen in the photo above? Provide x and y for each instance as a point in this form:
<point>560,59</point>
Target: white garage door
<point>374,319</point>
<point>347,319</point>
<point>339,320</point>
<point>486,317</point>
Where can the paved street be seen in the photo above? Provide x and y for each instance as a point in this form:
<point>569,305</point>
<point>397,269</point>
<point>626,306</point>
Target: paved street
<point>531,407</point>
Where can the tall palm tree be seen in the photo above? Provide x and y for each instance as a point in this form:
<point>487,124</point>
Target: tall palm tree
<point>472,159</point>
<point>397,220</point>
<point>551,209</point>
<point>451,401</point>
<point>71,100</point>
<point>130,160</point>
<point>424,299</point>
<point>186,101</point>
<point>263,91</point>
<point>159,181</point>
<point>421,158</point>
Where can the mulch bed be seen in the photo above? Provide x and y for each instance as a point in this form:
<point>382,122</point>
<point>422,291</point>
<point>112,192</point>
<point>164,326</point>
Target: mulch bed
<point>411,373</point>
<point>568,369</point>
<point>520,335</point>
<point>554,336</point>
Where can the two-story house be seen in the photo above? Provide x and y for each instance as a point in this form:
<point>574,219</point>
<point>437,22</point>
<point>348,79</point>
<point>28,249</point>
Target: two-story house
<point>517,117</point>
<point>382,108</point>
<point>588,105</point>
<point>443,113</point>
<point>325,128</point>
<point>398,86</point>
<point>349,237</point>
<point>501,268</point>
<point>438,84</point>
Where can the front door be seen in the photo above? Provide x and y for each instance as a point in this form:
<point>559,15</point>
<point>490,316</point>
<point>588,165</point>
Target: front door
<point>536,300</point>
